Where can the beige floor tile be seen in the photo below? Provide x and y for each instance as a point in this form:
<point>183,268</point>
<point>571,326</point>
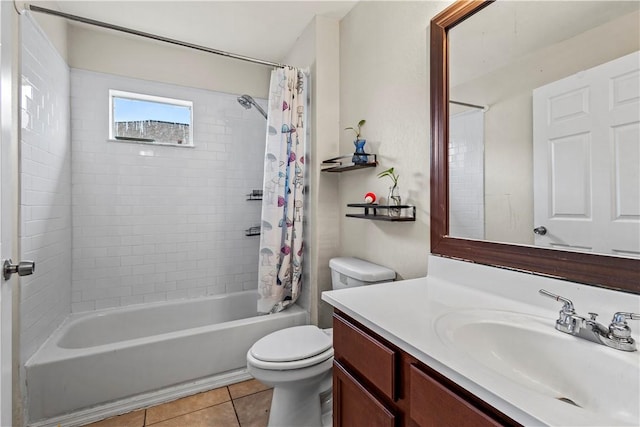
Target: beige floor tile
<point>253,410</point>
<point>221,415</point>
<point>246,388</point>
<point>187,404</point>
<point>132,419</point>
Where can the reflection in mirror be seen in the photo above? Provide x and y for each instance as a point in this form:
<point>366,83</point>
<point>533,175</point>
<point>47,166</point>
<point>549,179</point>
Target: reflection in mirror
<point>543,126</point>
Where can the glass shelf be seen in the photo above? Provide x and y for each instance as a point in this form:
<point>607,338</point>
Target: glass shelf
<point>340,164</point>
<point>407,212</point>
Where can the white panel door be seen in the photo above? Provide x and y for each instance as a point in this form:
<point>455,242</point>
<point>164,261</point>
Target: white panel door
<point>8,191</point>
<point>587,160</point>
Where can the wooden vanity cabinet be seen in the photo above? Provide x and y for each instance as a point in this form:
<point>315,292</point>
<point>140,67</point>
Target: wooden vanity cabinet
<point>358,406</point>
<point>377,384</point>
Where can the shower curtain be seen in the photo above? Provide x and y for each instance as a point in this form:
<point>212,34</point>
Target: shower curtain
<point>280,267</point>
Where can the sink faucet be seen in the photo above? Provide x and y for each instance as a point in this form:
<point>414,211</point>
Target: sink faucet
<point>617,335</point>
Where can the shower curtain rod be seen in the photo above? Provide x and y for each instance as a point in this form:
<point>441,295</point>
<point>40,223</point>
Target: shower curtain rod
<point>464,104</point>
<point>39,9</point>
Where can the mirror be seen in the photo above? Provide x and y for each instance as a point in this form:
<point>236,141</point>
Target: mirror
<point>499,86</point>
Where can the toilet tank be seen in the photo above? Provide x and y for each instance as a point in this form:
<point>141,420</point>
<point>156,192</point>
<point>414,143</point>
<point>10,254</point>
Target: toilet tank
<point>347,272</point>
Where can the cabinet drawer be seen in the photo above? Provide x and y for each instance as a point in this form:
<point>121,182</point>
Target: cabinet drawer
<point>432,404</point>
<point>354,406</point>
<point>365,355</point>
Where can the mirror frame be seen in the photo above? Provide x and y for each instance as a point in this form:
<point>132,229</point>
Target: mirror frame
<point>600,270</point>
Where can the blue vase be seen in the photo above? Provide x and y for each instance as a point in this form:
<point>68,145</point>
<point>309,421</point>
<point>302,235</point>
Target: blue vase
<point>359,143</point>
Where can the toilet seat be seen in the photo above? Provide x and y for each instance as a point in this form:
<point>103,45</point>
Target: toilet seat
<point>291,348</point>
<point>286,366</point>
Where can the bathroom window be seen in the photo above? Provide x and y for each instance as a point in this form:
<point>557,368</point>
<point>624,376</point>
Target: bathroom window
<point>135,117</point>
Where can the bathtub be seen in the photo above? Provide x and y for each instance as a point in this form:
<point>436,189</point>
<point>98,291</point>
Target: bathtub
<point>111,355</point>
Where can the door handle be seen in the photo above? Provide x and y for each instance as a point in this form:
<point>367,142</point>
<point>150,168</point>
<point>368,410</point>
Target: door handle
<point>540,231</point>
<point>23,268</point>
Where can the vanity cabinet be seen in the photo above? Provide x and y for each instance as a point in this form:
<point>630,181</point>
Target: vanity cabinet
<point>377,384</point>
<point>358,406</point>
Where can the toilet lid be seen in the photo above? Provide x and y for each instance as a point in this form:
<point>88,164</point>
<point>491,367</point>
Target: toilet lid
<point>290,344</point>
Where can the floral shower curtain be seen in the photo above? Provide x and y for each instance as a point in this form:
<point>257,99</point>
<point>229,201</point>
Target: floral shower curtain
<point>280,267</point>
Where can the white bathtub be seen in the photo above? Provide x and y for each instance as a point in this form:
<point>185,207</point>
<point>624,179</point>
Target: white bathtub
<point>110,355</point>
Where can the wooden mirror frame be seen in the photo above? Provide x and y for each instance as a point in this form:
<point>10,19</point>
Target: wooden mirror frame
<point>600,270</point>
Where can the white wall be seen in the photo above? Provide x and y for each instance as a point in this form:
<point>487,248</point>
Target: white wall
<point>132,56</point>
<point>318,49</point>
<point>155,223</point>
<point>384,57</point>
<point>45,232</point>
<point>54,27</point>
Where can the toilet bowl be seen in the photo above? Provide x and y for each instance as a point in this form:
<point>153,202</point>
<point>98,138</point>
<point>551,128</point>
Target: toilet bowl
<point>297,361</point>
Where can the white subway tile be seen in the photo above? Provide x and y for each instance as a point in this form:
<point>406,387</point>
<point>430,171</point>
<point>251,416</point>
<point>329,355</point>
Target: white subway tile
<point>179,294</point>
<point>234,287</point>
<point>133,299</point>
<point>107,303</point>
<point>197,292</point>
<point>157,297</point>
<point>113,261</point>
<point>143,288</point>
<point>163,216</point>
<point>83,306</point>
<point>165,287</point>
<point>45,190</point>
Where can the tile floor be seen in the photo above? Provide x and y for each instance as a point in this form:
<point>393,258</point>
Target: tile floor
<point>245,404</point>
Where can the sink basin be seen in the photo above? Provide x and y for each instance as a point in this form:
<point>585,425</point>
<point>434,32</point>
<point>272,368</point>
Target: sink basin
<point>528,351</point>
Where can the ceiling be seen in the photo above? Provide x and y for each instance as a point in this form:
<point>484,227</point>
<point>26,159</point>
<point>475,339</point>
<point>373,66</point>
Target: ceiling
<point>509,30</point>
<point>261,29</point>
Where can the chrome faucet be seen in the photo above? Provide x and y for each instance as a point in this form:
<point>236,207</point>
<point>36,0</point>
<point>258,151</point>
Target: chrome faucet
<point>617,335</point>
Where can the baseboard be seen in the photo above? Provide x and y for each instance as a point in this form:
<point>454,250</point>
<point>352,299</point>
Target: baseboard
<point>97,413</point>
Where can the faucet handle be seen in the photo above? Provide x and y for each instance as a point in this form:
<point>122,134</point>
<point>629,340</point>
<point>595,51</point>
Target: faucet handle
<point>621,317</point>
<point>567,321</point>
<point>619,328</point>
<point>567,308</point>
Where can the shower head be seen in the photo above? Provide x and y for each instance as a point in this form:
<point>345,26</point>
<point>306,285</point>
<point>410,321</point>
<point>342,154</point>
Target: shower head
<point>246,101</point>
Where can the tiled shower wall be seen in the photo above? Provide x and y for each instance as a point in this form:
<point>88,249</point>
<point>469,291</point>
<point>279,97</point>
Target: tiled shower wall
<point>45,175</point>
<point>154,223</point>
<point>466,174</point>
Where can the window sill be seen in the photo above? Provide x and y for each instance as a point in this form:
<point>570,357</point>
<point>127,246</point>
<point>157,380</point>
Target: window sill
<point>164,144</point>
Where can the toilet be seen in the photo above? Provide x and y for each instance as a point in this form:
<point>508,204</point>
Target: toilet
<point>297,361</point>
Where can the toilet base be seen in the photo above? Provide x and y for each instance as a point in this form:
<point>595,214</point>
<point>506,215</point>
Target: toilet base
<point>302,403</point>
<point>290,410</point>
<point>326,407</point>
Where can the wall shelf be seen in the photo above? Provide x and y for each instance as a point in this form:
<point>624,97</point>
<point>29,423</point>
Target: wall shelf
<point>252,231</point>
<point>345,163</point>
<point>371,211</point>
<point>255,195</point>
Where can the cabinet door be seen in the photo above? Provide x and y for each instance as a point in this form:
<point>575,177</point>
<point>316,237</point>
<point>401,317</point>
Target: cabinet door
<point>365,355</point>
<point>354,406</point>
<point>434,405</point>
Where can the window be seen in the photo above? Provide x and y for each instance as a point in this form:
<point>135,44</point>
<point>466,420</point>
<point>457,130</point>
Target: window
<point>150,119</point>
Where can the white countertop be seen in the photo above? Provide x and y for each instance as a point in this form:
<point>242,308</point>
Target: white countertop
<point>406,314</point>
